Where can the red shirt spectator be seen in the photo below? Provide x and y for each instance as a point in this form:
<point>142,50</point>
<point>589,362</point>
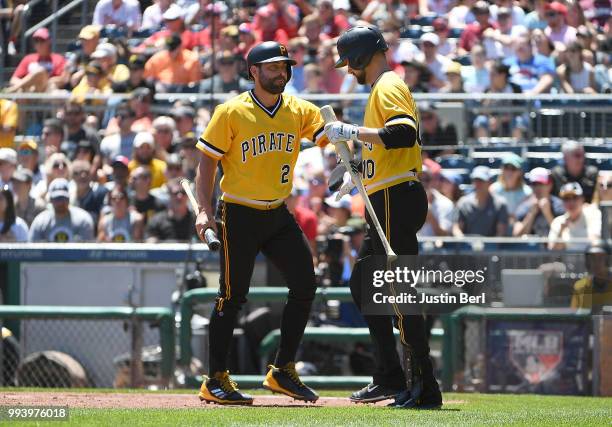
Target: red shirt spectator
<point>53,63</point>
<point>472,34</point>
<point>266,26</point>
<point>287,16</point>
<point>333,23</point>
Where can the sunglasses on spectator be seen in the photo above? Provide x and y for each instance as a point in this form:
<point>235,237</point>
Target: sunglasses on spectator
<point>551,14</point>
<point>178,192</point>
<point>509,167</point>
<point>578,154</point>
<point>59,165</point>
<point>174,167</point>
<point>605,185</point>
<point>80,174</point>
<point>569,198</point>
<point>117,198</point>
<point>25,152</point>
<point>164,130</point>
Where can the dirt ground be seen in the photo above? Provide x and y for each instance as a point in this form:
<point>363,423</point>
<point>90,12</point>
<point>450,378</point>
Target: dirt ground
<point>150,400</point>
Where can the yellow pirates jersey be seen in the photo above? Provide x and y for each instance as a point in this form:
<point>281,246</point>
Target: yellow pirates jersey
<point>390,103</point>
<point>258,147</point>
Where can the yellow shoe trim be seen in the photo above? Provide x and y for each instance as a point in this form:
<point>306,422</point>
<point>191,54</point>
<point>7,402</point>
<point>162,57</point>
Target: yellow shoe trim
<point>272,385</point>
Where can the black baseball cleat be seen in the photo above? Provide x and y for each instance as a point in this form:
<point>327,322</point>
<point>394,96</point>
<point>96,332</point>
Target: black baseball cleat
<point>425,392</point>
<point>285,380</point>
<point>375,393</point>
<point>223,390</point>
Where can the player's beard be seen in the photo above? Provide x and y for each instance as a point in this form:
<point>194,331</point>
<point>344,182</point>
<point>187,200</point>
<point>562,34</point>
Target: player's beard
<point>274,86</point>
<point>360,75</point>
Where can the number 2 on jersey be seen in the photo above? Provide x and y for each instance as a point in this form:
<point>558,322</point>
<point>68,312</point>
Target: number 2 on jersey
<point>285,174</point>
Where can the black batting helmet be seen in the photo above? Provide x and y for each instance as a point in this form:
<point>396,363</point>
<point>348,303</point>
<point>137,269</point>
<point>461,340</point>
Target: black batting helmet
<point>269,52</point>
<point>357,46</point>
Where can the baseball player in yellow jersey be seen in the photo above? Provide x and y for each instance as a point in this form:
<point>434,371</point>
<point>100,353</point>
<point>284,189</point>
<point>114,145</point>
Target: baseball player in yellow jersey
<point>256,137</point>
<point>391,161</point>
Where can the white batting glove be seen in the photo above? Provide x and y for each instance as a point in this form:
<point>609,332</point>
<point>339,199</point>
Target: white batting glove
<point>338,132</point>
<point>347,186</point>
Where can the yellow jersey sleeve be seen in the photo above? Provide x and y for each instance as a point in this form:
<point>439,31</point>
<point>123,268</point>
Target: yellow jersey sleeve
<point>8,114</point>
<point>216,139</point>
<point>396,106</point>
<point>313,124</point>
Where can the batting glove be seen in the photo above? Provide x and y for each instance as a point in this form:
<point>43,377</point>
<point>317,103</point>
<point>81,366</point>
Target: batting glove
<point>338,132</point>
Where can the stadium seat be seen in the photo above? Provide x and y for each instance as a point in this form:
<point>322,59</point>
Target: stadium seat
<point>424,20</point>
<point>603,161</point>
<point>455,161</point>
<point>412,32</point>
<point>598,148</point>
<point>491,159</point>
<point>502,148</point>
<point>455,33</point>
<point>544,148</point>
<point>546,160</point>
<point>464,60</point>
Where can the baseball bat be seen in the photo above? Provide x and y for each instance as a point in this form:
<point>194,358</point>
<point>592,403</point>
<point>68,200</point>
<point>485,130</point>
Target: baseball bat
<point>345,155</point>
<point>209,234</point>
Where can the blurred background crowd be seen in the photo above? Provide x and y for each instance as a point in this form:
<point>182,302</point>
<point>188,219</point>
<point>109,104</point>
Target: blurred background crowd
<point>103,162</point>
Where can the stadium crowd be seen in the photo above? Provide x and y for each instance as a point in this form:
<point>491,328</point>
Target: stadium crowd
<point>108,169</point>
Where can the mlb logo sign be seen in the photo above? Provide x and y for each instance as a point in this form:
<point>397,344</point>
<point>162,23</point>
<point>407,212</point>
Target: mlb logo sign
<point>535,353</point>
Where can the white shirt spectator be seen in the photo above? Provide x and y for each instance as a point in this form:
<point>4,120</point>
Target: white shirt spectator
<point>565,35</point>
<point>588,225</point>
<point>152,17</point>
<point>437,66</point>
<point>518,14</point>
<point>442,209</point>
<point>19,230</point>
<point>127,15</point>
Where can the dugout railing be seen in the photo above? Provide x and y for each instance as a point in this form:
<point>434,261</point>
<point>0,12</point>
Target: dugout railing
<point>55,343</point>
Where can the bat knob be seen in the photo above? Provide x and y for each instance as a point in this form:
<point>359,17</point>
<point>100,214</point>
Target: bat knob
<point>211,239</point>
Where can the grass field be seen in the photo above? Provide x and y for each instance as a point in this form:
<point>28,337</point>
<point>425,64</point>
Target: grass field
<point>464,409</point>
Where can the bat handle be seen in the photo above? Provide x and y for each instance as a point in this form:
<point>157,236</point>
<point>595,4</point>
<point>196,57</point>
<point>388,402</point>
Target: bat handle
<point>211,239</point>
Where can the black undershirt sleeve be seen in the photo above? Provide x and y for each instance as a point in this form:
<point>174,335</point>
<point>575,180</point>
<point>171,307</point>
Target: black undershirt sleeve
<point>398,136</point>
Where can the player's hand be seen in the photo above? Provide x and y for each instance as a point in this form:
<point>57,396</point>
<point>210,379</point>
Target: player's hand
<point>338,132</point>
<point>204,221</point>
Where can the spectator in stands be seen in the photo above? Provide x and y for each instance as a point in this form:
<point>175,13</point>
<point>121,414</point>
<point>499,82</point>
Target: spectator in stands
<point>61,223</point>
<point>534,215</point>
<point>120,143</point>
<point>136,65</point>
<point>510,185</point>
<point>176,222</point>
<point>26,206</point>
<point>52,136</point>
<point>576,75</point>
<point>27,158</point>
<point>142,200</point>
<point>89,38</point>
<point>152,17</point>
<point>543,45</point>
<point>140,102</point>
<point>297,52</point>
<point>76,131</point>
<point>246,38</point>
<point>174,170</point>
<point>474,32</point>
<point>557,29</point>
<point>8,164</point>
<point>495,122</point>
<point>312,29</point>
<point>86,151</point>
<point>434,132</point>
<point>9,116</point>
<point>536,19</point>
<point>287,16</point>
<point>516,11</point>
<point>41,71</point>
<point>106,55</point>
<point>164,129</point>
<point>394,13</point>
<point>120,224</point>
<point>575,169</point>
<point>190,155</point>
<point>461,14</point>
<point>174,23</point>
<point>433,60</point>
<point>579,221</point>
<point>498,41</point>
<point>454,81</point>
<point>12,228</point>
<point>594,291</point>
<point>266,28</point>
<point>57,165</point>
<point>313,81</point>
<point>449,185</point>
<point>439,221</point>
<point>604,188</point>
<point>123,14</point>
<point>447,47</point>
<point>338,214</point>
<point>476,76</point>
<point>533,73</point>
<point>226,79</point>
<point>333,24</point>
<point>174,68</point>
<point>184,117</point>
<point>306,219</point>
<point>202,12</point>
<point>14,14</point>
<point>481,213</point>
<point>120,173</point>
<point>143,157</point>
<point>416,76</point>
<point>88,195</point>
<point>94,83</point>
